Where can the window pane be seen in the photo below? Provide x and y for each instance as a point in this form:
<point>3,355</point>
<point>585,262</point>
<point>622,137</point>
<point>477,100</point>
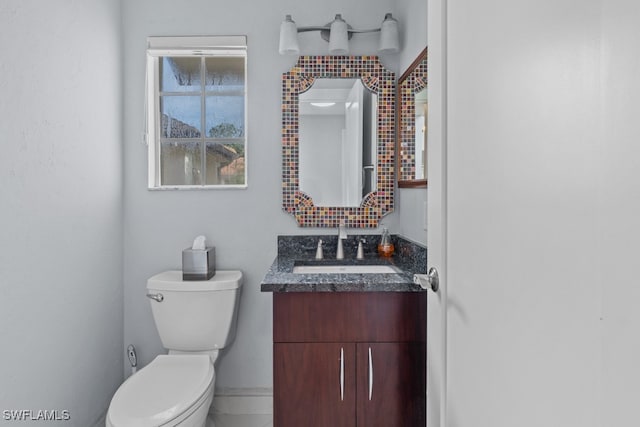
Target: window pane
<point>180,74</point>
<point>180,163</point>
<point>224,116</point>
<point>180,116</point>
<point>225,163</point>
<point>224,74</point>
<point>198,116</point>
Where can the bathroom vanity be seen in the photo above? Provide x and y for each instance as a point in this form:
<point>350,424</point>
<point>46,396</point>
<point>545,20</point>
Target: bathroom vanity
<point>349,349</point>
<point>349,336</point>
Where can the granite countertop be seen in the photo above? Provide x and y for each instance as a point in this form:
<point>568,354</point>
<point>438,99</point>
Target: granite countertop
<point>409,258</point>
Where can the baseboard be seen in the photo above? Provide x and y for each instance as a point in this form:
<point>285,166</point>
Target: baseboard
<point>240,401</point>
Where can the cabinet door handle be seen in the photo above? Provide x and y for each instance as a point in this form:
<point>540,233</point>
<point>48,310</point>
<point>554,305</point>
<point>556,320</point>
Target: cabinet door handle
<point>341,373</point>
<point>370,374</point>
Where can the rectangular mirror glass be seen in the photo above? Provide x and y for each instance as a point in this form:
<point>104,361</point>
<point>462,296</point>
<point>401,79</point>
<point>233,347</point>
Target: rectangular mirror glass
<point>337,142</point>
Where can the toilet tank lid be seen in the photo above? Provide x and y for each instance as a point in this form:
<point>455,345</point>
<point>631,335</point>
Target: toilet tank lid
<point>172,281</point>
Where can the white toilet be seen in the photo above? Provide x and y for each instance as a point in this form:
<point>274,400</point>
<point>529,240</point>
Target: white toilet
<point>195,320</point>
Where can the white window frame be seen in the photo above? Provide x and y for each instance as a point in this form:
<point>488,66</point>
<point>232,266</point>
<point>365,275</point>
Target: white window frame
<point>194,47</point>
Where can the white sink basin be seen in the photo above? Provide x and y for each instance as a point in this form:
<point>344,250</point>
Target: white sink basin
<point>344,269</point>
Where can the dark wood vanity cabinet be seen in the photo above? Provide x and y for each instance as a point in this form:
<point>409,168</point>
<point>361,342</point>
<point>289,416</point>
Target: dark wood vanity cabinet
<point>349,359</point>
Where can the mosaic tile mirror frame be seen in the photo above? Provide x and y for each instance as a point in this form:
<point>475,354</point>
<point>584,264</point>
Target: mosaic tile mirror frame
<point>412,81</point>
<point>378,80</point>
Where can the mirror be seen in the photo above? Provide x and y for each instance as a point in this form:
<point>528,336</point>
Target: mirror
<point>327,182</point>
<point>337,141</point>
<point>412,124</point>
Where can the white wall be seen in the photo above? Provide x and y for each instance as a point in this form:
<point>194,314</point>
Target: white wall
<point>61,216</point>
<point>243,224</point>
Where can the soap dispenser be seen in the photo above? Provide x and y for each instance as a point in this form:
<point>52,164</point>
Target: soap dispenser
<point>385,247</point>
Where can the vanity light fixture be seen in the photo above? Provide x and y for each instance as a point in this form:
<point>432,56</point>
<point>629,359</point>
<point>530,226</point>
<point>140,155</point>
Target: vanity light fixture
<point>338,33</point>
<point>323,104</point>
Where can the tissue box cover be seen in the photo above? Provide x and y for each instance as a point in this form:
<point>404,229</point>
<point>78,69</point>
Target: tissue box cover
<point>198,264</point>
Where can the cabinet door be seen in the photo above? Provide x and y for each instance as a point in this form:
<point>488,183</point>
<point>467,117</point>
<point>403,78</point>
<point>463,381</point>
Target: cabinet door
<point>314,385</point>
<point>391,384</point>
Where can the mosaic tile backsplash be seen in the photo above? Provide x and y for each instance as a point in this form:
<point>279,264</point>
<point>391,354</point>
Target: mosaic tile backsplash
<point>375,78</point>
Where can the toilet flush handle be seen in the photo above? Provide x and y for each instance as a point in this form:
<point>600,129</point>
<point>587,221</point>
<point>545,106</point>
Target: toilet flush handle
<point>158,297</point>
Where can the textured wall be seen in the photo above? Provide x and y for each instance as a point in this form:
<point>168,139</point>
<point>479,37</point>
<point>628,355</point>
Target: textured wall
<point>61,217</point>
<point>243,224</point>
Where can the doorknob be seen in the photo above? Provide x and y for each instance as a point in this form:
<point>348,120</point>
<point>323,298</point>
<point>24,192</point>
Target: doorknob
<point>429,280</point>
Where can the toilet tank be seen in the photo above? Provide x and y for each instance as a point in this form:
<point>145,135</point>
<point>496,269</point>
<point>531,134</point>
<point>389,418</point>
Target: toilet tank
<point>195,315</point>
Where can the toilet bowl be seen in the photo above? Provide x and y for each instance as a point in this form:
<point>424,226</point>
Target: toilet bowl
<point>171,390</point>
<point>195,319</point>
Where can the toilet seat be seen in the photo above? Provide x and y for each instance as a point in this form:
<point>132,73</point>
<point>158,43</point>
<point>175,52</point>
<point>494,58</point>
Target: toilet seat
<point>164,392</point>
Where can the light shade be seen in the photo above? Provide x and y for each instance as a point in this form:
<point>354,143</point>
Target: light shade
<point>288,37</point>
<point>389,40</point>
<point>339,37</point>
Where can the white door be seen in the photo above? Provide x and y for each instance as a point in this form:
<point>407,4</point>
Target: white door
<point>516,214</point>
<point>619,209</point>
<point>436,217</point>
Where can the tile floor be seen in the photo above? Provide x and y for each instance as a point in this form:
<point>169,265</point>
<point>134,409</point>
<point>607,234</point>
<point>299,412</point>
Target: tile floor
<point>225,420</point>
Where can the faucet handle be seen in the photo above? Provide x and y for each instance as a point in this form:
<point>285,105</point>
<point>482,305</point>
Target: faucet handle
<point>360,254</point>
<point>319,253</point>
<point>342,231</point>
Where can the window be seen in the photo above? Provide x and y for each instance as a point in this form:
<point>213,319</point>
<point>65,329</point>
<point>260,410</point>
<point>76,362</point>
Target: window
<point>196,112</point>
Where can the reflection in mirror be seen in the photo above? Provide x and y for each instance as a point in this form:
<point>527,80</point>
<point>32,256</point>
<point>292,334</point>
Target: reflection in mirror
<point>369,173</point>
<point>337,142</point>
<point>412,124</point>
<point>421,134</point>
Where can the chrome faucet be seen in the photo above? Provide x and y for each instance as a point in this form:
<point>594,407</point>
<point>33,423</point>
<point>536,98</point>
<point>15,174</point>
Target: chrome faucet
<point>342,234</point>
